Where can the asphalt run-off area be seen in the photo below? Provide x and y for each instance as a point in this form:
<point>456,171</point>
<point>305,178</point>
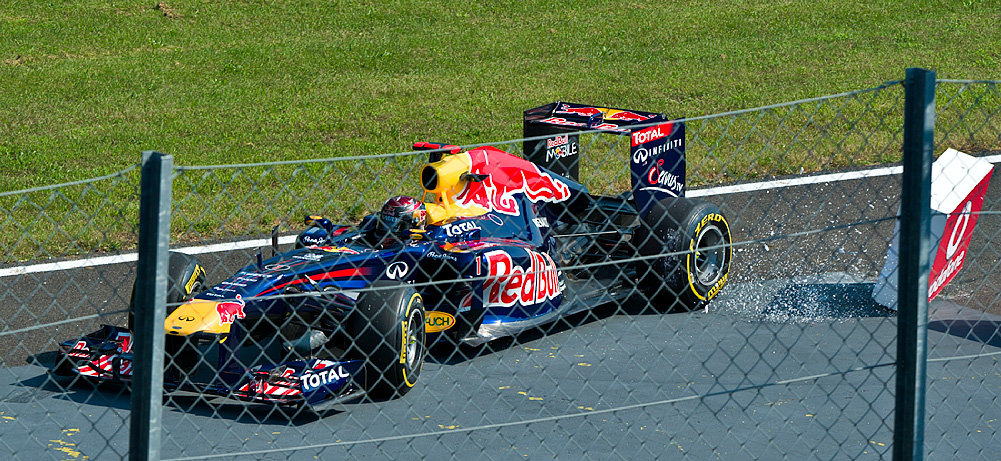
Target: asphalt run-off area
<point>792,359</point>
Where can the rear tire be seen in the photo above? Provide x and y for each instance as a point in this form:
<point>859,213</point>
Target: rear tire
<point>700,233</point>
<point>388,331</point>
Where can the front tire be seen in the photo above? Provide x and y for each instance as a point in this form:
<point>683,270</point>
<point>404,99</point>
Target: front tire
<point>185,278</point>
<point>388,330</point>
<point>700,235</point>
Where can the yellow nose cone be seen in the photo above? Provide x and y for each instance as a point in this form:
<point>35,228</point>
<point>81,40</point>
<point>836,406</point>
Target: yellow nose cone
<point>199,315</point>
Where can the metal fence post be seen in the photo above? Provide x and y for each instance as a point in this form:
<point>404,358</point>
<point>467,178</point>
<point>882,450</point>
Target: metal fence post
<point>915,225</point>
<point>150,306</point>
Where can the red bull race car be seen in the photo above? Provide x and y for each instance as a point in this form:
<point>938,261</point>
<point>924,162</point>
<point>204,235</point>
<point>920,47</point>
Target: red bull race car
<point>496,244</point>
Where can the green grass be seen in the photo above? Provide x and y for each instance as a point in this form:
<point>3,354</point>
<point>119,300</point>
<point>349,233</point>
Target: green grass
<point>85,86</point>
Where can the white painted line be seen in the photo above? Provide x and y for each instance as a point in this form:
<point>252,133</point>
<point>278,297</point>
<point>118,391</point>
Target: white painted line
<point>64,265</point>
<point>756,186</point>
<point>241,245</point>
<point>133,257</point>
<point>802,181</point>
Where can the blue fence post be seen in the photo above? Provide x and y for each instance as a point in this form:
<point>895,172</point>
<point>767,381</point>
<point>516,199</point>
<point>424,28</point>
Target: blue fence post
<point>150,306</point>
<point>915,226</point>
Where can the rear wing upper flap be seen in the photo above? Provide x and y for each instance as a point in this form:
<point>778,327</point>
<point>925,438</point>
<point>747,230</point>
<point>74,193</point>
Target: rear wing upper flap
<point>657,150</point>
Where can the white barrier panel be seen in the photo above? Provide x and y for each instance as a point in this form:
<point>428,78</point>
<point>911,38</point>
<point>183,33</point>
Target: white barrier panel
<point>959,184</point>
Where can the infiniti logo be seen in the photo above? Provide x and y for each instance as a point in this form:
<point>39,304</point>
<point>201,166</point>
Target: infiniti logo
<point>397,270</point>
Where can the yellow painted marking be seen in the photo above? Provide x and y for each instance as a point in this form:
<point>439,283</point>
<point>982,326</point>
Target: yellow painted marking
<point>456,426</point>
<point>531,349</point>
<point>535,398</point>
<point>584,364</point>
<point>65,448</point>
<point>504,387</point>
<point>586,408</point>
<point>522,393</point>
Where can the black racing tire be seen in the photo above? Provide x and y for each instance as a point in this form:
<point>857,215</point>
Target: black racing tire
<point>388,331</point>
<point>688,280</point>
<point>185,279</point>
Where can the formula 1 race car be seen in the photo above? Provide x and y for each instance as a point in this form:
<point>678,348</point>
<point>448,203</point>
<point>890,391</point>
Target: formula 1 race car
<point>499,245</point>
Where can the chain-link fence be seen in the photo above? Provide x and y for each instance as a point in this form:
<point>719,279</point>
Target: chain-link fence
<point>302,322</point>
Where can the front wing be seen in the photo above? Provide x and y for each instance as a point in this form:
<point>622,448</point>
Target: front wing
<point>106,356</point>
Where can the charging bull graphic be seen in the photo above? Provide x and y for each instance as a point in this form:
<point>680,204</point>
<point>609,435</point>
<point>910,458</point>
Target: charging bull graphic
<point>230,311</point>
<point>582,111</point>
<point>509,175</point>
<point>606,114</point>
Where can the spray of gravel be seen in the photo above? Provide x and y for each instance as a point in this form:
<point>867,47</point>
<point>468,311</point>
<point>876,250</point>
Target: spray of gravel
<point>830,297</point>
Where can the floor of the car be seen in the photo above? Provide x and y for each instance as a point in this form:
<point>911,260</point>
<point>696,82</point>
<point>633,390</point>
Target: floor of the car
<point>580,294</point>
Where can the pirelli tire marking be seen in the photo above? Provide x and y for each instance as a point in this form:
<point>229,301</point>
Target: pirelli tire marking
<point>411,341</point>
<point>190,286</point>
<point>719,279</point>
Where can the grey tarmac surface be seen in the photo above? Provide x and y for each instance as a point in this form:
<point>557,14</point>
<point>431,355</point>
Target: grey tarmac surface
<point>792,360</point>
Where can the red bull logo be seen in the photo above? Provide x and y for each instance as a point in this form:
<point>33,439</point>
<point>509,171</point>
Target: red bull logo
<point>230,311</point>
<point>509,175</point>
<point>560,147</point>
<point>509,283</point>
<point>562,121</point>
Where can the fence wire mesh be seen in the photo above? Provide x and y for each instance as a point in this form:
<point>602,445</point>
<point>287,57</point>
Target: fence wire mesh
<point>963,325</point>
<point>793,359</point>
<point>48,295</point>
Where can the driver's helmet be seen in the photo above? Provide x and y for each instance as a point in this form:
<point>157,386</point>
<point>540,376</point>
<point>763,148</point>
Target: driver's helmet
<point>400,214</point>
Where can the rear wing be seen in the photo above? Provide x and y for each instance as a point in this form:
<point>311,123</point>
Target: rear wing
<point>657,145</point>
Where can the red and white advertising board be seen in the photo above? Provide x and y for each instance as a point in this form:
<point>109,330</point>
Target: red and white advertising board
<point>958,186</point>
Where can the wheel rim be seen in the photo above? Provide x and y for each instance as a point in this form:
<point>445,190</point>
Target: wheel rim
<point>415,339</point>
<point>710,255</point>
